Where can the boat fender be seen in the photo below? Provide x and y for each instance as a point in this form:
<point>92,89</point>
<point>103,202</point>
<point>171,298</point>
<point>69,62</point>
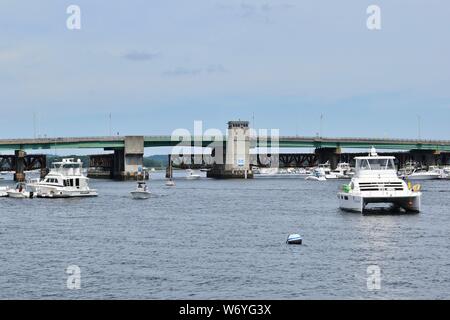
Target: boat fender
<point>294,239</point>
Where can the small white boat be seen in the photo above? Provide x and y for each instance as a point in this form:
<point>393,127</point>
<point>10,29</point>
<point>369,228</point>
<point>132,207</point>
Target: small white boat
<point>376,182</point>
<point>170,183</point>
<point>190,175</point>
<point>423,175</point>
<point>141,191</point>
<point>342,171</point>
<point>294,239</point>
<point>327,171</point>
<point>21,191</point>
<point>318,174</point>
<point>446,173</point>
<point>4,191</point>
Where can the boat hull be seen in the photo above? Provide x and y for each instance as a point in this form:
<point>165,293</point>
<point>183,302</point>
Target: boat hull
<point>358,203</point>
<point>140,195</point>
<point>313,178</point>
<point>423,177</point>
<point>67,194</point>
<point>20,195</point>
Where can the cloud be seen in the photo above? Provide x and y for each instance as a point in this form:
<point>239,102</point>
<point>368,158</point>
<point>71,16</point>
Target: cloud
<point>184,71</point>
<point>215,68</point>
<point>140,55</point>
<point>9,55</point>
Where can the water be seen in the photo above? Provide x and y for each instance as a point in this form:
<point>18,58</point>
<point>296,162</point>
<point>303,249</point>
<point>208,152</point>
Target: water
<point>210,239</point>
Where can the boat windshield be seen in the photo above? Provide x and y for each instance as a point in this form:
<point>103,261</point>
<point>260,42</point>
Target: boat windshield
<point>375,164</point>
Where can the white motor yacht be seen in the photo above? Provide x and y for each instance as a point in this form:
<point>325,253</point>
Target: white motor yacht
<point>64,180</point>
<point>141,191</point>
<point>376,181</point>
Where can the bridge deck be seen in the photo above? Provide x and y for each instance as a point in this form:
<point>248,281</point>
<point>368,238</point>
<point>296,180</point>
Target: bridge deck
<point>284,142</point>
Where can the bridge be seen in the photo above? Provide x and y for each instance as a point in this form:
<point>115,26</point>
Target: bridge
<point>230,153</point>
<point>117,142</point>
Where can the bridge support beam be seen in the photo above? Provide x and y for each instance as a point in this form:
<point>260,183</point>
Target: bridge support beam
<point>128,162</point>
<point>237,154</point>
<point>19,174</point>
<point>328,154</point>
<point>101,166</point>
<point>426,157</point>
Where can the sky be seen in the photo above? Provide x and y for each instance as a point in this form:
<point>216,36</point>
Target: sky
<point>156,66</point>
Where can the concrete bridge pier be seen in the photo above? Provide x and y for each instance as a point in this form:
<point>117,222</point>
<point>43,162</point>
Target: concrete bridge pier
<point>19,175</point>
<point>328,154</point>
<point>237,154</point>
<point>128,162</point>
<point>169,169</point>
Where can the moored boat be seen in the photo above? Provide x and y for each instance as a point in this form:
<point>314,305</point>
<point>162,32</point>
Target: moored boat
<point>190,175</point>
<point>317,174</point>
<point>65,180</point>
<point>423,175</point>
<point>342,171</point>
<point>376,181</point>
<point>21,191</point>
<point>4,191</point>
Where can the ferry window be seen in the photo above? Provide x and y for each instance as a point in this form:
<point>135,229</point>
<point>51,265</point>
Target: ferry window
<point>77,182</point>
<point>71,182</point>
<point>375,164</point>
<point>364,164</point>
<point>381,164</point>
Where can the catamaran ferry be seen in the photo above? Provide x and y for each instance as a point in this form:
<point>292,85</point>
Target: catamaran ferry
<point>376,181</point>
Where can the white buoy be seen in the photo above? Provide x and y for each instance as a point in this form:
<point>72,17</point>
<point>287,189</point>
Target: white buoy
<point>294,239</point>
